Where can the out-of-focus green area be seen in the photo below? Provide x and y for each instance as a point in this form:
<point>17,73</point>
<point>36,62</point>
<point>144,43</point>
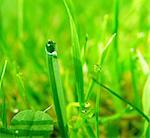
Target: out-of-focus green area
<point>25,27</point>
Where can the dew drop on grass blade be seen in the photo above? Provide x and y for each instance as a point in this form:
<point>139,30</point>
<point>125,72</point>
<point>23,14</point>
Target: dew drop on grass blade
<point>57,90</point>
<point>104,51</point>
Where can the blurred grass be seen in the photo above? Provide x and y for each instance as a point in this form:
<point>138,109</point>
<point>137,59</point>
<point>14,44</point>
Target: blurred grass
<point>26,25</point>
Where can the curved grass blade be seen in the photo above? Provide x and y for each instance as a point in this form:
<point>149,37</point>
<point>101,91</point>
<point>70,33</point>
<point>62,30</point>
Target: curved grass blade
<point>57,90</point>
<point>76,58</point>
<point>124,100</point>
<point>4,114</point>
<point>146,90</point>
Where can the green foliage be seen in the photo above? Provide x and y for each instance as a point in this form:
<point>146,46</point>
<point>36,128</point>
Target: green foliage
<point>108,40</point>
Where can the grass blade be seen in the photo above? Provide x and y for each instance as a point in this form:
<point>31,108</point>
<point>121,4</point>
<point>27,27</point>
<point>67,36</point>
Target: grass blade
<point>143,63</point>
<point>76,58</point>
<point>134,74</point>
<point>97,115</point>
<point>146,91</point>
<point>123,99</point>
<point>115,31</point>
<point>116,65</point>
<point>88,129</point>
<point>102,58</point>
<point>101,61</point>
<point>148,131</point>
<point>57,91</point>
<point>145,100</point>
<point>4,114</point>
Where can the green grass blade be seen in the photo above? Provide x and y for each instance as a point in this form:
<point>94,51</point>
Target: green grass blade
<point>146,90</point>
<point>145,99</point>
<point>103,55</point>
<point>57,90</point>
<point>116,65</point>
<point>115,31</point>
<point>97,114</point>
<point>134,74</point>
<point>101,62</point>
<point>123,99</point>
<point>4,114</point>
<point>148,131</point>
<point>116,116</point>
<point>83,53</point>
<point>143,63</point>
<point>88,129</point>
<point>105,49</point>
<point>76,58</point>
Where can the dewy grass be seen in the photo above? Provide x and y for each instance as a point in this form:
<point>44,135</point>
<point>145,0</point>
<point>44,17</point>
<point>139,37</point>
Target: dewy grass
<point>3,115</point>
<point>76,58</point>
<point>100,63</point>
<point>57,90</point>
